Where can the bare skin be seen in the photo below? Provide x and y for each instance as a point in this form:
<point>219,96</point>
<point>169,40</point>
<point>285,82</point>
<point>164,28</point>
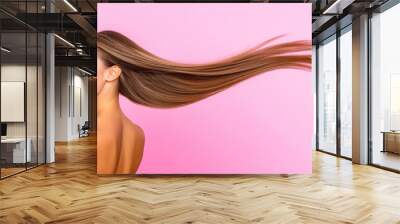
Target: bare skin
<point>120,142</point>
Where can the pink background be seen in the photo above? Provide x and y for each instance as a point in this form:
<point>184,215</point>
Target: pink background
<point>262,125</point>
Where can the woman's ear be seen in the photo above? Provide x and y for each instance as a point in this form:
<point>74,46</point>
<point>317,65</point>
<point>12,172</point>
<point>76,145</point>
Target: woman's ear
<point>112,73</point>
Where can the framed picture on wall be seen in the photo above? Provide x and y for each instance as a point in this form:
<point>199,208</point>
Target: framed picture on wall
<point>204,89</point>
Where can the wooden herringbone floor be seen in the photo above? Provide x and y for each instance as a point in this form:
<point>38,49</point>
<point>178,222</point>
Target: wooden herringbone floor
<point>69,191</point>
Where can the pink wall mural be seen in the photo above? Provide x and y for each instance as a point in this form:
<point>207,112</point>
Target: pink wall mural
<point>261,125</point>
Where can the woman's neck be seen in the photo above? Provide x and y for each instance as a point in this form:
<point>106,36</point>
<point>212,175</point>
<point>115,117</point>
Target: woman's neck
<point>108,101</point>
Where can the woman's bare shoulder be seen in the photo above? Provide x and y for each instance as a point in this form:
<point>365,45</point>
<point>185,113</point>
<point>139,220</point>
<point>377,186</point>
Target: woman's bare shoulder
<point>134,130</point>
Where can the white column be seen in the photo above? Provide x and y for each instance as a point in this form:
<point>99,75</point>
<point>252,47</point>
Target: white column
<point>360,90</point>
<point>50,92</point>
<point>50,98</point>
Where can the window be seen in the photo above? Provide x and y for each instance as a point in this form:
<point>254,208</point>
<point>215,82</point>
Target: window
<point>327,95</point>
<point>346,92</point>
<point>385,89</point>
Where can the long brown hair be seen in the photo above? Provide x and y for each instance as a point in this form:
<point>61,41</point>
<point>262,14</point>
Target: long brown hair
<point>156,82</point>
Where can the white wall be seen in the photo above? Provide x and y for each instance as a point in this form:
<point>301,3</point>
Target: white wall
<point>80,109</point>
<point>71,102</point>
<point>61,103</point>
<point>12,73</point>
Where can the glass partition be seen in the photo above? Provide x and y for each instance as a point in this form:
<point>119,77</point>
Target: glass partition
<point>14,153</point>
<point>41,96</point>
<point>22,77</point>
<point>31,99</point>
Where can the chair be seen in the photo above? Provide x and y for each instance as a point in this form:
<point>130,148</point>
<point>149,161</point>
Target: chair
<point>84,130</point>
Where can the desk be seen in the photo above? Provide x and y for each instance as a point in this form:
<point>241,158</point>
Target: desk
<point>391,141</point>
<point>15,148</point>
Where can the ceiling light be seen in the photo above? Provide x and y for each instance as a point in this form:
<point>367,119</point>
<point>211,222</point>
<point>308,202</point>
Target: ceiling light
<point>84,71</point>
<point>70,5</point>
<point>5,50</point>
<point>337,7</point>
<point>79,51</point>
<point>65,41</point>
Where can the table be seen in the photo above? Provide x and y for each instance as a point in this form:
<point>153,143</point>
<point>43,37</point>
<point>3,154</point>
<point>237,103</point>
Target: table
<point>391,141</point>
<point>15,148</point>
